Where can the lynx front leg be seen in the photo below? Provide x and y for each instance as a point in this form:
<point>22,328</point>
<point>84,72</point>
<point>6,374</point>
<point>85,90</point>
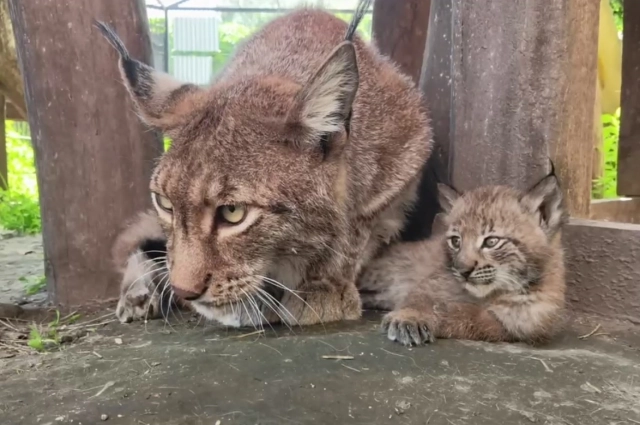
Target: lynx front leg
<point>322,302</point>
<point>140,296</point>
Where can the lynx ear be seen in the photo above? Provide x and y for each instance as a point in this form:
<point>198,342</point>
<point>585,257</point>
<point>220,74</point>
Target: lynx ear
<point>545,200</point>
<point>160,99</point>
<point>447,195</point>
<point>323,106</point>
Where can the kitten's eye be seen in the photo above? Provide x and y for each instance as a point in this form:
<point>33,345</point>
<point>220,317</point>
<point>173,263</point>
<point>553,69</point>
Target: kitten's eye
<point>454,242</point>
<point>164,203</point>
<point>233,214</point>
<point>490,242</point>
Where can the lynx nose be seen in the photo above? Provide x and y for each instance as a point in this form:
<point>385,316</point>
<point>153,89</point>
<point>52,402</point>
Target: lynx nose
<point>466,273</point>
<point>193,292</point>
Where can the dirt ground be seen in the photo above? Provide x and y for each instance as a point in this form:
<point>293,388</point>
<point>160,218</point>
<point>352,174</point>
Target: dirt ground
<point>187,372</point>
<point>21,265</point>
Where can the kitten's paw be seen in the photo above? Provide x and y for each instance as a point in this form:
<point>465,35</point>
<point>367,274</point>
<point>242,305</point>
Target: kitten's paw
<point>138,303</point>
<point>408,327</point>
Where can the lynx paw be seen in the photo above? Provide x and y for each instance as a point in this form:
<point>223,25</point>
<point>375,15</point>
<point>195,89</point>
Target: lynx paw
<point>408,327</point>
<point>139,303</point>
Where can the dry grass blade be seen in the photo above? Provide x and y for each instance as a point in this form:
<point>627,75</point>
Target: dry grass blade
<point>590,334</point>
<point>338,357</point>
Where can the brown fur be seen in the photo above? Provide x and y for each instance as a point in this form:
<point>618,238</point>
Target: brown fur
<point>317,210</point>
<point>514,291</point>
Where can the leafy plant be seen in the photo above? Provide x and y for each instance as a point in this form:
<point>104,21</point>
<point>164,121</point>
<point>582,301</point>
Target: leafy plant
<point>46,338</point>
<point>33,284</point>
<point>19,205</point>
<point>606,186</point>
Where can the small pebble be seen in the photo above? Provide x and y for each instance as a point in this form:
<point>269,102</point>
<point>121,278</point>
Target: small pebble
<point>118,341</point>
<point>104,417</point>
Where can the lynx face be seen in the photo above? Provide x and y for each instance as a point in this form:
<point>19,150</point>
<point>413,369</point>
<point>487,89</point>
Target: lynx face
<point>498,238</point>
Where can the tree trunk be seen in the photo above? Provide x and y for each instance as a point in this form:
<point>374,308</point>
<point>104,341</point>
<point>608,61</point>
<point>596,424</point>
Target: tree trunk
<point>93,156</point>
<point>10,78</point>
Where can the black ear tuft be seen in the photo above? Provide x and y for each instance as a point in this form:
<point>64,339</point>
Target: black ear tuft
<point>361,9</point>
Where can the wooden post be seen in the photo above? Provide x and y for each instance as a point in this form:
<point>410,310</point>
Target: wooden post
<point>523,88</point>
<point>400,31</point>
<point>4,160</point>
<point>93,156</point>
<point>629,144</point>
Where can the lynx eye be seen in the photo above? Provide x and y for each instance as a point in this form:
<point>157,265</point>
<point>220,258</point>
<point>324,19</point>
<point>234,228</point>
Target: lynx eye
<point>163,202</point>
<point>490,242</point>
<point>454,242</point>
<point>233,214</point>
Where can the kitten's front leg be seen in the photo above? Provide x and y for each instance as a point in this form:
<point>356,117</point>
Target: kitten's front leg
<point>470,321</point>
<point>322,301</point>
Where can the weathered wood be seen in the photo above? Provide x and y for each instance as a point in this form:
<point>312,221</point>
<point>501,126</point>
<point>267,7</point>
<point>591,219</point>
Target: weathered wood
<point>12,113</point>
<point>93,156</point>
<point>435,84</point>
<point>523,87</point>
<point>11,85</point>
<point>435,81</point>
<point>624,210</point>
<point>400,31</point>
<point>4,160</point>
<point>603,268</point>
<point>629,144</point>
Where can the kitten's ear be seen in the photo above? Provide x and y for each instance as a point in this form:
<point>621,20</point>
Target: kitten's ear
<point>160,99</point>
<point>546,200</point>
<point>447,195</point>
<point>323,106</point>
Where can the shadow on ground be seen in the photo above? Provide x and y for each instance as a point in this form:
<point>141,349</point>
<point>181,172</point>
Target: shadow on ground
<point>157,374</point>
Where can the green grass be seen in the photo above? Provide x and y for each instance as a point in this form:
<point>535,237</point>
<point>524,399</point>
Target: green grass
<point>19,205</point>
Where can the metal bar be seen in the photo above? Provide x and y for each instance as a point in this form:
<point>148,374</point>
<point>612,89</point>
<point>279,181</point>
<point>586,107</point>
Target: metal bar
<point>256,10</point>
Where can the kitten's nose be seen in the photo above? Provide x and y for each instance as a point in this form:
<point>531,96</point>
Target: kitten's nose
<point>466,273</point>
<point>193,292</point>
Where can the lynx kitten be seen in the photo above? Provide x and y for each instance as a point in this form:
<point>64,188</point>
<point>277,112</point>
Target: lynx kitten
<point>496,274</point>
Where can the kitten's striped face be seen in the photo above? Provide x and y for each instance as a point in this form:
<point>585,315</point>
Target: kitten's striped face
<point>497,238</point>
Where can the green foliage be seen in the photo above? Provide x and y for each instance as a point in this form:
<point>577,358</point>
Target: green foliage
<point>33,284</point>
<point>618,12</point>
<point>605,186</point>
<point>19,205</point>
<point>44,338</point>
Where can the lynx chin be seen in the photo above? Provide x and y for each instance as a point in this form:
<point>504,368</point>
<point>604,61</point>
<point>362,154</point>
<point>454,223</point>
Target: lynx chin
<point>495,274</point>
<point>284,178</point>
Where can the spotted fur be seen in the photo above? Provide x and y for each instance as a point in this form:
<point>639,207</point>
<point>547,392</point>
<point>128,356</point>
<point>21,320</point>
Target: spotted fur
<point>318,135</point>
<point>463,284</point>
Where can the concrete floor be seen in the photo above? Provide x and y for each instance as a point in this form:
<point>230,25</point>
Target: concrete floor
<point>192,374</point>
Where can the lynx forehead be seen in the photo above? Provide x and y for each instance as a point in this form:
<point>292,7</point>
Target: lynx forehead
<point>289,171</point>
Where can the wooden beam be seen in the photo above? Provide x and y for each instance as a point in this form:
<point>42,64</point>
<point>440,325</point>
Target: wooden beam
<point>524,76</point>
<point>629,144</point>
<point>12,113</point>
<point>603,268</point>
<point>400,31</point>
<point>93,156</point>
<point>623,210</point>
<point>435,84</point>
<point>4,160</point>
